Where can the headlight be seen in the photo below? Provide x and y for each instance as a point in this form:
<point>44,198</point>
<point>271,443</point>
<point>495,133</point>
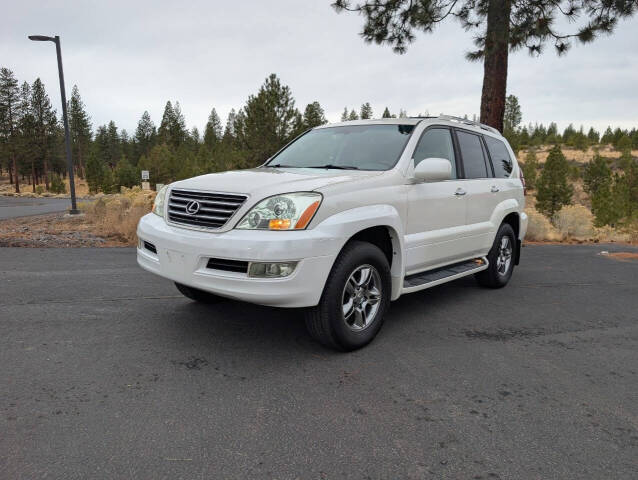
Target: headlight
<point>290,211</point>
<point>160,200</point>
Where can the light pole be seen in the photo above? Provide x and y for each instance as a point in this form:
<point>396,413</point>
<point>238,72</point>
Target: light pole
<point>67,140</point>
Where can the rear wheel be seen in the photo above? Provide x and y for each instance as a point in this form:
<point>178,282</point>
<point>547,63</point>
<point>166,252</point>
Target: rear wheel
<point>197,295</point>
<point>355,298</point>
<point>501,259</point>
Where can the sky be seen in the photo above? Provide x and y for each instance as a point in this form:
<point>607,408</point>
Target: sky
<point>128,57</point>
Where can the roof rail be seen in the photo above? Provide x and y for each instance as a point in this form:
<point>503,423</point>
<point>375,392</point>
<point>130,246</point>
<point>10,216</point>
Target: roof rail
<point>467,121</point>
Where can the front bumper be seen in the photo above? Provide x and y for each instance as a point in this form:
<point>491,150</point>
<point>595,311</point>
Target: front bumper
<point>182,256</point>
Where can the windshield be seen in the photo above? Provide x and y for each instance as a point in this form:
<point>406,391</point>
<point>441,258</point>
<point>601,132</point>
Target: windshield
<point>360,147</point>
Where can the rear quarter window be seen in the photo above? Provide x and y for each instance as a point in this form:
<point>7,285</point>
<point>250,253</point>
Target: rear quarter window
<point>501,159</point>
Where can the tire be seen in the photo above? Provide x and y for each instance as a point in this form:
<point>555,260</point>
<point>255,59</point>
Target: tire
<point>502,257</point>
<point>198,295</point>
<point>354,300</point>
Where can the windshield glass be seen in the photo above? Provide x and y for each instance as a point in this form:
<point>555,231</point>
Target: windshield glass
<point>362,147</point>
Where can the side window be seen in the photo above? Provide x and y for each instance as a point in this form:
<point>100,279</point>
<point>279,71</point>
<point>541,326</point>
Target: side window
<point>501,159</point>
<point>435,143</point>
<point>472,154</point>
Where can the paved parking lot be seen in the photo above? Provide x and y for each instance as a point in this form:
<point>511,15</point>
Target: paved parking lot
<point>13,207</point>
<point>107,372</point>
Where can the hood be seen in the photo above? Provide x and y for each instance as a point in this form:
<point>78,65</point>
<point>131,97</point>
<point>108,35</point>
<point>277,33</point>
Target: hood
<point>264,182</point>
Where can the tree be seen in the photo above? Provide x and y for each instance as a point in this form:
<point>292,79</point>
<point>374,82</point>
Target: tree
<point>512,116</point>
<point>386,113</point>
<point>9,111</point>
<point>45,123</point>
<point>530,169</point>
<point>624,143</point>
<point>213,130</point>
<point>344,115</point>
<point>267,122</point>
<point>172,130</point>
<point>80,129</point>
<point>114,145</point>
<point>501,26</point>
<point>553,191</point>
<point>593,136</point>
<point>125,174</point>
<point>353,115</point>
<point>145,134</point>
<point>366,111</point>
<point>313,116</point>
<point>596,174</point>
<point>607,137</point>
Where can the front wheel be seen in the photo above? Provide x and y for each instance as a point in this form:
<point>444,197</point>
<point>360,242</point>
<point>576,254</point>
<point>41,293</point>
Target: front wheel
<point>355,298</point>
<point>501,259</point>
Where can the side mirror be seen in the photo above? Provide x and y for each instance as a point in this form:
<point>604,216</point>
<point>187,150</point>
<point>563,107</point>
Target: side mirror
<point>433,170</point>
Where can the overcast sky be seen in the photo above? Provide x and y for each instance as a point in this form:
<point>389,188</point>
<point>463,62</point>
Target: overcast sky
<point>127,57</point>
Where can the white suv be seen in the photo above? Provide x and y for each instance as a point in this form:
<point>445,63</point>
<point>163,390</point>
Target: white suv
<point>343,220</point>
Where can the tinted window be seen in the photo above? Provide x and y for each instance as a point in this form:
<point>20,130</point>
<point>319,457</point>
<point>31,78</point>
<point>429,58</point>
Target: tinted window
<point>435,143</point>
<point>366,147</point>
<point>472,154</point>
<point>501,159</point>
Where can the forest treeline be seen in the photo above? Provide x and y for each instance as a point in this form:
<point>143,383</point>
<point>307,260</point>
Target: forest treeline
<point>32,137</point>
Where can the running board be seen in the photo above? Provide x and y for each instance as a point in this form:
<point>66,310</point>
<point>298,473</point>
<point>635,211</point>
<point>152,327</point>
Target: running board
<point>437,276</point>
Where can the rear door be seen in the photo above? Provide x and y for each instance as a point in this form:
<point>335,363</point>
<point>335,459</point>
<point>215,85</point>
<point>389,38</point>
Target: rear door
<point>481,198</point>
<point>503,185</point>
<point>436,213</point>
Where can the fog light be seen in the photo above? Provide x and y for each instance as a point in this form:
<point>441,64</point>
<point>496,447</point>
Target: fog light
<point>271,270</point>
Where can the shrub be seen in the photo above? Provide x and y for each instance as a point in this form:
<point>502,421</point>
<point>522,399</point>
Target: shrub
<point>539,228</point>
<point>57,185</point>
<point>39,189</point>
<point>553,191</point>
<point>574,221</point>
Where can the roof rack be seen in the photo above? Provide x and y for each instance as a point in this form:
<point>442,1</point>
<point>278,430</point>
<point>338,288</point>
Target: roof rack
<point>466,121</point>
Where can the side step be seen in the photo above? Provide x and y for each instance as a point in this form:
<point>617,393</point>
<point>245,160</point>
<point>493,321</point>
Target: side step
<point>437,276</point>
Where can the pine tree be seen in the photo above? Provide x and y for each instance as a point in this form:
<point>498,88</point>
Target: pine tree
<point>499,26</point>
<point>126,175</point>
<point>353,115</point>
<point>172,130</point>
<point>530,169</point>
<point>45,124</point>
<point>344,115</point>
<point>604,207</point>
<point>386,113</point>
<point>9,118</point>
<point>366,111</point>
<point>553,191</point>
<point>145,134</point>
<point>403,113</point>
<point>313,116</point>
<point>213,131</point>
<point>80,130</point>
<point>596,174</point>
<point>114,145</point>
<point>268,121</point>
<point>608,137</point>
<point>512,116</point>
<point>229,131</point>
<point>593,136</point>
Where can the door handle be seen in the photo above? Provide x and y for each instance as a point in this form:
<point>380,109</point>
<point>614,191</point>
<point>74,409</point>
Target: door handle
<point>494,189</point>
<point>459,192</point>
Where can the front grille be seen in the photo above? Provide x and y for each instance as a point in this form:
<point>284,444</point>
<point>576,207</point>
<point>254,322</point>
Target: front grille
<point>202,209</point>
<point>227,265</point>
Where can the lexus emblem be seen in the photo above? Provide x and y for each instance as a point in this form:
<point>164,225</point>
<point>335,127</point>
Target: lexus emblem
<point>192,207</point>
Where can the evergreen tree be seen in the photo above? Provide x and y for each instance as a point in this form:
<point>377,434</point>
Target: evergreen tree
<point>26,140</point>
<point>213,131</point>
<point>403,113</point>
<point>596,174</point>
<point>126,175</point>
<point>624,143</point>
<point>80,130</point>
<point>9,118</point>
<point>500,26</point>
<point>145,134</point>
<point>229,131</point>
<point>45,126</point>
<point>608,137</point>
<point>172,130</point>
<point>593,136</point>
<point>386,113</point>
<point>530,169</point>
<point>313,116</point>
<point>512,116</point>
<point>269,120</point>
<point>603,206</point>
<point>353,115</point>
<point>114,145</point>
<point>344,115</point>
<point>366,111</point>
<point>553,191</point>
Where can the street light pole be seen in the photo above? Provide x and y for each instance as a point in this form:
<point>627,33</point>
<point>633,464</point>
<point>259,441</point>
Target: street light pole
<point>67,138</point>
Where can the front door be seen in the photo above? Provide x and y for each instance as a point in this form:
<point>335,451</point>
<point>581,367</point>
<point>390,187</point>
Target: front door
<point>436,210</point>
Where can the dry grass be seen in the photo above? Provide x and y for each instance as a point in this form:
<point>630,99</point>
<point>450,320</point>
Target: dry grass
<point>117,216</point>
<point>574,155</point>
<point>26,189</point>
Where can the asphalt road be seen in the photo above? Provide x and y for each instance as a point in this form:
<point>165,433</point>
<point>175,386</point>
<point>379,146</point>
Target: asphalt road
<point>107,372</point>
<point>12,207</point>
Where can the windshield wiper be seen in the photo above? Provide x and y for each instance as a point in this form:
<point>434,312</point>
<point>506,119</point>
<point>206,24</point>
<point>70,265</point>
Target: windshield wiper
<point>336,167</point>
<point>279,165</point>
